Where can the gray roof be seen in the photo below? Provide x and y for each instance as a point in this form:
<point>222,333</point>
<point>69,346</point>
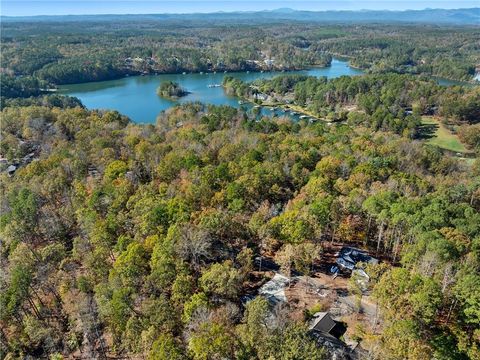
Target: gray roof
<point>349,257</point>
<point>274,290</point>
<point>323,322</point>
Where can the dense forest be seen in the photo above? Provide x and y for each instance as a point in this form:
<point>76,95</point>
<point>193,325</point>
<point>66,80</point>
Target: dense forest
<point>74,52</point>
<point>129,239</point>
<point>121,240</point>
<point>388,102</point>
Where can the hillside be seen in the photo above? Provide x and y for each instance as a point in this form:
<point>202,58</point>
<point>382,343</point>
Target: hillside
<point>430,16</point>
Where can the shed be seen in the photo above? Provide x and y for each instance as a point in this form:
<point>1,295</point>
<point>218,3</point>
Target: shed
<point>323,323</point>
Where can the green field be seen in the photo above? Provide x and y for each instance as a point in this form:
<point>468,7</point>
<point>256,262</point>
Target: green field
<point>440,136</point>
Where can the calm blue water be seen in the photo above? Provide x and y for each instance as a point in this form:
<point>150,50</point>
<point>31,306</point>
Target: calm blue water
<point>448,82</point>
<point>136,96</point>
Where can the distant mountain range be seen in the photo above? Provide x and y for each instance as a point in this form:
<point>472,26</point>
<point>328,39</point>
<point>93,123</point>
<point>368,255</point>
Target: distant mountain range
<point>427,16</point>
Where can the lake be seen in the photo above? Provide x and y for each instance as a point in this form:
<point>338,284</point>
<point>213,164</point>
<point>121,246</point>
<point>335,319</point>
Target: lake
<point>136,96</point>
<point>448,82</point>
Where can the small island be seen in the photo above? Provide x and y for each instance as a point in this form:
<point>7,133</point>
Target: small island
<point>171,90</point>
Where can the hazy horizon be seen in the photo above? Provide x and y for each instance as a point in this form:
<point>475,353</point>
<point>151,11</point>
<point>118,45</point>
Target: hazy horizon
<point>72,7</point>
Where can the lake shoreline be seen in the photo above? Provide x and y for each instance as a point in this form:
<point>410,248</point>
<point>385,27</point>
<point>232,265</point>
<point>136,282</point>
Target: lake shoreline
<point>136,97</point>
<point>286,108</point>
<point>61,88</point>
<point>441,80</point>
<point>118,94</point>
<point>180,72</point>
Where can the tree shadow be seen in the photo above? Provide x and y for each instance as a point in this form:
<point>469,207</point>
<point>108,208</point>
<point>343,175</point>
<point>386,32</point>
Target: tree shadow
<point>426,131</point>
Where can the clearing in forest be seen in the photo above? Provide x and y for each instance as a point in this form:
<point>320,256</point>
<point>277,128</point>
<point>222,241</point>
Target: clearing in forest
<point>439,135</point>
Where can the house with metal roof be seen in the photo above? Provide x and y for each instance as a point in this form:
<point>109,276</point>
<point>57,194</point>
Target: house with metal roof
<point>349,258</point>
<point>323,323</point>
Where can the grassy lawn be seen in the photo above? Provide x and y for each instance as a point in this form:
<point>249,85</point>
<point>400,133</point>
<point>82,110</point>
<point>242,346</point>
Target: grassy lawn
<point>439,135</point>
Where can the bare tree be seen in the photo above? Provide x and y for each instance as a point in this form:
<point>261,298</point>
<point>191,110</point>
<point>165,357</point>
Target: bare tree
<point>194,245</point>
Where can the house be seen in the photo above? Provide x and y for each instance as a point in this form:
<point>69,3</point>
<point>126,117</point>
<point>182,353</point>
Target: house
<point>28,158</point>
<point>323,323</point>
<point>274,290</point>
<point>92,171</point>
<point>349,258</point>
<point>269,62</point>
<point>262,97</point>
<point>328,333</point>
<point>11,170</point>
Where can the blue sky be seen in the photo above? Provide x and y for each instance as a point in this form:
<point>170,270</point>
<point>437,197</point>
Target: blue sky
<point>68,7</point>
